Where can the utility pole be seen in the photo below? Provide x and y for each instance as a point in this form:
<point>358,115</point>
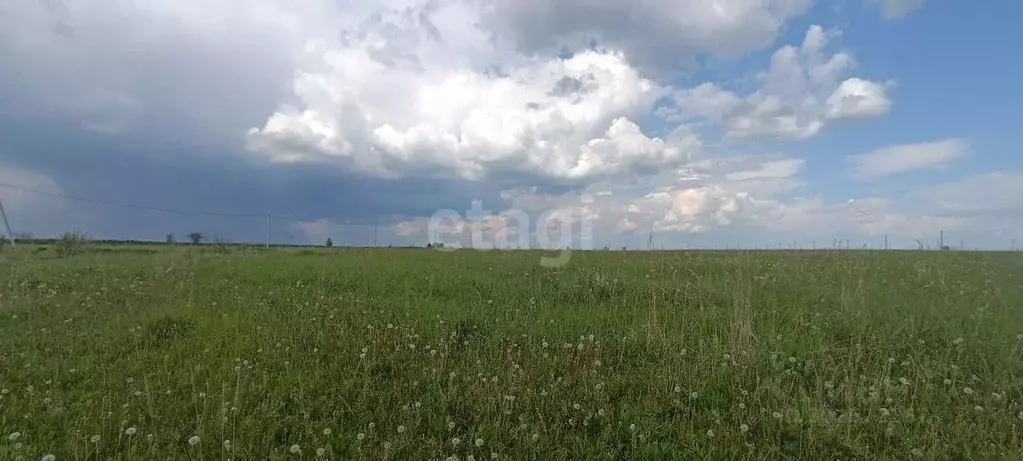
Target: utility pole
<point>886,241</point>
<point>268,230</point>
<point>375,227</point>
<point>7,225</point>
<point>941,240</point>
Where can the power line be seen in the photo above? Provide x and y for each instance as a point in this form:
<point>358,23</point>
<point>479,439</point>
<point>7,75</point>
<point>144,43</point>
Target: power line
<point>170,210</point>
<point>127,205</point>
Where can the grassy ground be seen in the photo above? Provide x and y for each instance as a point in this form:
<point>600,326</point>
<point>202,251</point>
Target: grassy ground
<point>419,354</point>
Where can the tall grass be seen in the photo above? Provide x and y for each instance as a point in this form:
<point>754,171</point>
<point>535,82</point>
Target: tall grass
<point>417,354</point>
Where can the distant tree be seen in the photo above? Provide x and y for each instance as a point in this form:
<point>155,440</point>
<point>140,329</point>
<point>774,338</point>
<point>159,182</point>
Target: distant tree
<point>429,245</point>
<point>196,237</point>
<point>329,243</point>
<point>71,243</point>
<point>170,239</point>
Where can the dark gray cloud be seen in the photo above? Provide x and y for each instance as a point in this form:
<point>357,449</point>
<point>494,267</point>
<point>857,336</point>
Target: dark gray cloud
<point>146,169</point>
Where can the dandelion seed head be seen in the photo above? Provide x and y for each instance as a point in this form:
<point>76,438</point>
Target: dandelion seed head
<point>193,440</point>
<point>131,431</point>
<point>321,451</point>
<point>295,448</point>
<point>479,442</point>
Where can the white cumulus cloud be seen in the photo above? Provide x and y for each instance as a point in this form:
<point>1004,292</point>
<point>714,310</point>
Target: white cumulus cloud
<point>804,88</point>
<point>397,98</point>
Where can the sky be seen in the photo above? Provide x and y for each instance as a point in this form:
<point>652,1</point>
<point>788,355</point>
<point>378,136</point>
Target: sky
<point>654,123</point>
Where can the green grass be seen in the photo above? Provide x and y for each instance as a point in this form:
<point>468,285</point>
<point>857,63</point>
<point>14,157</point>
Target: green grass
<point>374,354</point>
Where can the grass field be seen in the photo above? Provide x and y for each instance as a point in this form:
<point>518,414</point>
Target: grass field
<point>172,353</point>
